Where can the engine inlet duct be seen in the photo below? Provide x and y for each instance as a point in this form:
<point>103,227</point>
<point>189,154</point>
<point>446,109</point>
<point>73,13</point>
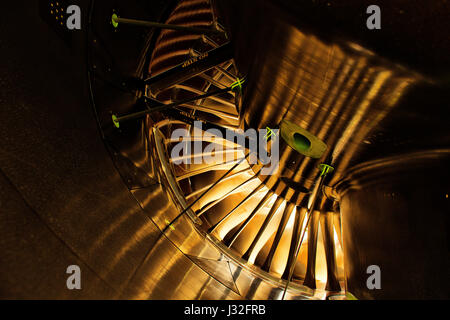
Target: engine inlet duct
<point>224,150</point>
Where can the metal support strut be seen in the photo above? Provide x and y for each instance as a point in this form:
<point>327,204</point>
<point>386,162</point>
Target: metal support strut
<point>237,85</point>
<point>116,20</point>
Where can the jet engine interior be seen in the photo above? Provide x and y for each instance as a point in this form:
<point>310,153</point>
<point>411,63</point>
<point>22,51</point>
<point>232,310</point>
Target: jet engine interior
<point>225,149</point>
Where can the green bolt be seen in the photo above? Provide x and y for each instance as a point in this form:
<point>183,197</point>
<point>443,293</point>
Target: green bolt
<point>325,169</point>
<point>237,84</point>
<point>114,20</point>
<point>116,123</point>
<point>269,133</point>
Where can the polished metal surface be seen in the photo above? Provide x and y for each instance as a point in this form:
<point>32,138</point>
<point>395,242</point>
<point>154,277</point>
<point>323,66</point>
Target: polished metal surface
<point>74,189</point>
<point>254,223</point>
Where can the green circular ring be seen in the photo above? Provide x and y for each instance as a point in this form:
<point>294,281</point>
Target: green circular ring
<point>114,22</point>
<point>116,123</point>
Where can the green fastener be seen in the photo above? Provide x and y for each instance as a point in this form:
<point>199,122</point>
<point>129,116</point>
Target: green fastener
<point>168,223</point>
<point>237,84</point>
<point>325,169</point>
<point>114,20</point>
<point>269,133</point>
<point>114,119</point>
